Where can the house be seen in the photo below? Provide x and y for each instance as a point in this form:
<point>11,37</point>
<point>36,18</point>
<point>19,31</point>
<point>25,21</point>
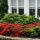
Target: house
<point>27,7</point>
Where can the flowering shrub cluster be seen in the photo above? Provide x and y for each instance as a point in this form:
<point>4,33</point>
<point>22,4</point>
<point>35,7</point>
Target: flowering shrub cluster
<point>15,29</point>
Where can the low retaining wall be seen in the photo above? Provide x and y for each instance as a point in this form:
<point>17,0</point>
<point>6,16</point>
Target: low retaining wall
<point>18,38</point>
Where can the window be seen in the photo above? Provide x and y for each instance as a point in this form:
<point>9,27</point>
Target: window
<point>39,12</point>
<point>14,10</point>
<point>38,2</point>
<point>32,11</point>
<point>32,7</point>
<point>17,5</point>
<point>21,10</point>
<point>21,6</point>
<point>14,3</point>
<point>20,3</point>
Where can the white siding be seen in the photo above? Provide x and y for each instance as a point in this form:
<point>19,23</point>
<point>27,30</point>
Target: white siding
<point>26,7</point>
<point>9,6</point>
<point>35,8</point>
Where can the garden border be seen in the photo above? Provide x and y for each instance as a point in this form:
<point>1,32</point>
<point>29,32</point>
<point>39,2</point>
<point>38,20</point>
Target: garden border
<point>19,38</point>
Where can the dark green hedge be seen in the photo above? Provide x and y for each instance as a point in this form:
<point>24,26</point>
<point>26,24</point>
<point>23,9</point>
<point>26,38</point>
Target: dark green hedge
<point>16,18</point>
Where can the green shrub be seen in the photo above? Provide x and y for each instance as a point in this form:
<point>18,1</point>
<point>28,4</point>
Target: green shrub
<point>16,18</point>
<point>38,30</point>
<point>32,31</point>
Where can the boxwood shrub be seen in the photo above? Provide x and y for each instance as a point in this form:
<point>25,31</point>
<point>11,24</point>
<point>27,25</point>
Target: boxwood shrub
<point>16,18</point>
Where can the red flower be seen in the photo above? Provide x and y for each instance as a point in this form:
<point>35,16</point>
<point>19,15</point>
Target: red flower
<point>21,32</point>
<point>11,28</point>
<point>15,29</point>
<point>16,35</point>
<point>36,23</point>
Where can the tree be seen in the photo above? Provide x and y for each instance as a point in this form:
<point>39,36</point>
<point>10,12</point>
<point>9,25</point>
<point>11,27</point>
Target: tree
<point>3,7</point>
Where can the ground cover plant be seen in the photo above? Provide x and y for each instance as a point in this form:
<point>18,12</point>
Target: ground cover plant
<point>20,30</point>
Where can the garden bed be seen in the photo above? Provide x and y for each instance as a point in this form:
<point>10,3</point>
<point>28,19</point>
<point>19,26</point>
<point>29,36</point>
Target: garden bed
<point>19,27</point>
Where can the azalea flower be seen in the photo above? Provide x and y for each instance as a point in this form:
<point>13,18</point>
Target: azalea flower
<point>14,29</point>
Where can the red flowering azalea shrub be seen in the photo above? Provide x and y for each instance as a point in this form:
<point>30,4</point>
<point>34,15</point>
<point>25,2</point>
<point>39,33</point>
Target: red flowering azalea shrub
<point>11,29</point>
<point>14,29</point>
<point>36,23</point>
<point>3,27</point>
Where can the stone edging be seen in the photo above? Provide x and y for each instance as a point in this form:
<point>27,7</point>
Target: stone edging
<point>7,37</point>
